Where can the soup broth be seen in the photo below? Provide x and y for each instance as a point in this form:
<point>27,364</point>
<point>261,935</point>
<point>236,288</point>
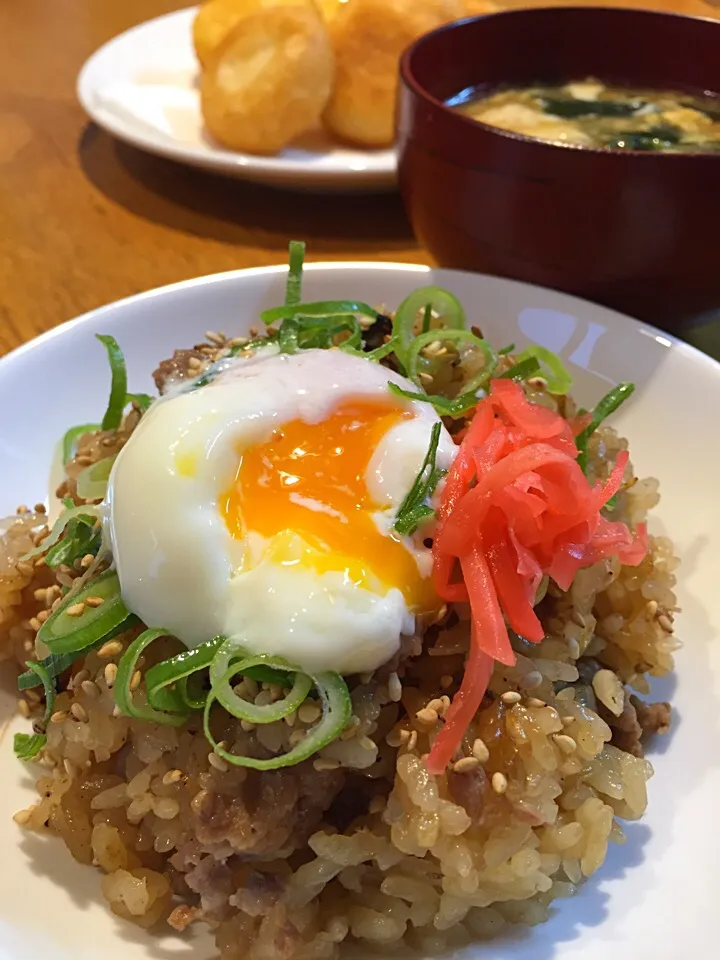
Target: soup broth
<point>589,113</point>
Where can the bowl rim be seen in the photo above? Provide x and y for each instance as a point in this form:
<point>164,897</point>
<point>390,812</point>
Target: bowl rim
<point>409,80</point>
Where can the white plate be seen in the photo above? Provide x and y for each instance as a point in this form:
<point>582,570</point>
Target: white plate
<point>656,896</point>
<point>142,87</point>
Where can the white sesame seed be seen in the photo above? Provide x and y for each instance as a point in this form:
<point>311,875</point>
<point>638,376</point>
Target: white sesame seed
<point>480,750</point>
<point>110,649</point>
<point>394,687</point>
<point>59,716</point>
<point>95,601</point>
<point>135,682</point>
<point>511,696</point>
<point>22,817</point>
<point>172,776</point>
<point>79,712</point>
<point>110,674</point>
<point>75,609</point>
<point>535,702</point>
<point>499,783</point>
<point>323,763</point>
<point>215,761</point>
<point>466,765</point>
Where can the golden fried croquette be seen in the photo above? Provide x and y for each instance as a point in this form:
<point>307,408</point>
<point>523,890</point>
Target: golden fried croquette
<point>269,80</point>
<point>216,18</point>
<point>368,38</point>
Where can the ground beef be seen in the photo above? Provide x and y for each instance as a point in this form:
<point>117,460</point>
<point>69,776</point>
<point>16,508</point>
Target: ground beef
<point>178,368</point>
<point>272,814</point>
<point>468,790</point>
<point>652,717</point>
<point>638,722</point>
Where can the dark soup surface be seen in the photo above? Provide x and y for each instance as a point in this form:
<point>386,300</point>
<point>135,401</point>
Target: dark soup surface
<point>590,113</point>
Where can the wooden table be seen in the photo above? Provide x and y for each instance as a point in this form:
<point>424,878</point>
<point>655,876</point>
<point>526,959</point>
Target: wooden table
<point>85,220</point>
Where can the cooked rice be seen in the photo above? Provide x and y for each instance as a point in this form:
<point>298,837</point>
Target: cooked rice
<point>360,843</point>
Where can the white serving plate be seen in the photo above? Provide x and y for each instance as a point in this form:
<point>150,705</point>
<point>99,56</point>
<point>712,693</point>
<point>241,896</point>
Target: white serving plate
<point>656,897</point>
<point>141,86</point>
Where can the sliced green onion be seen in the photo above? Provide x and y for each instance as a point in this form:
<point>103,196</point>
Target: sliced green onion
<point>522,370</point>
<point>288,336</point>
<point>126,670</point>
<point>264,674</point>
<point>84,510</point>
<point>318,308</point>
<point>427,317</point>
<point>337,709</point>
<point>161,678</point>
<point>503,351</point>
<point>28,746</point>
<point>414,351</point>
<point>62,633</point>
<point>69,441</point>
<point>552,369</point>
<point>81,537</point>
<point>56,664</point>
<point>296,260</point>
<point>92,482</point>
<point>414,509</point>
<point>270,712</point>
<point>118,385</point>
<point>441,302</point>
<point>445,407</point>
<point>141,400</point>
<point>609,404</point>
<point>252,344</point>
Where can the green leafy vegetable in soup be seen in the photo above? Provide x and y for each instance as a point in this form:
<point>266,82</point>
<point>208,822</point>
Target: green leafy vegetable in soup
<point>592,114</point>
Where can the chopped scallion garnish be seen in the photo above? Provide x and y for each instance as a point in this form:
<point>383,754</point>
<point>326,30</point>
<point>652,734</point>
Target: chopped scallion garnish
<point>65,632</point>
<point>552,369</point>
<point>124,697</point>
<point>296,260</point>
<point>337,709</point>
<point>414,508</point>
<point>28,746</point>
<point>118,385</point>
<point>609,404</point>
<point>522,370</point>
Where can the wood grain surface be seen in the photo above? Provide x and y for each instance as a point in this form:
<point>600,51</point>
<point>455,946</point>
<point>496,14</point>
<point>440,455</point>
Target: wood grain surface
<point>85,220</point>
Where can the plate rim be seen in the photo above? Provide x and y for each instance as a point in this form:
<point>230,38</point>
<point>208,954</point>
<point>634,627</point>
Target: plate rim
<point>271,170</point>
<point>328,266</point>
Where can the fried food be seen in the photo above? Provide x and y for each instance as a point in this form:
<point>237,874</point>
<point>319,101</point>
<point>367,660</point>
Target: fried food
<point>368,38</point>
<point>216,18</point>
<point>269,80</point>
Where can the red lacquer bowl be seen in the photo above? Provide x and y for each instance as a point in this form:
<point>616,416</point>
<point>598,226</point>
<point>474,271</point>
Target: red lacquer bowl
<point>636,231</point>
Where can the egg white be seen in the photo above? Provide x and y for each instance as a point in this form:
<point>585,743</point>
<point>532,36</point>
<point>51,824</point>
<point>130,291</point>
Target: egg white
<point>178,564</point>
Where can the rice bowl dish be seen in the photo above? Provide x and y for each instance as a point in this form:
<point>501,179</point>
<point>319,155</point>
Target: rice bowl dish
<point>359,839</point>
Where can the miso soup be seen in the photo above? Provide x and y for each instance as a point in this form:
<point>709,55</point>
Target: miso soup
<point>589,113</point>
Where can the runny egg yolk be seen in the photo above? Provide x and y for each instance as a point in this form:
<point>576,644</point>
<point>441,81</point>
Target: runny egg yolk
<point>308,481</point>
